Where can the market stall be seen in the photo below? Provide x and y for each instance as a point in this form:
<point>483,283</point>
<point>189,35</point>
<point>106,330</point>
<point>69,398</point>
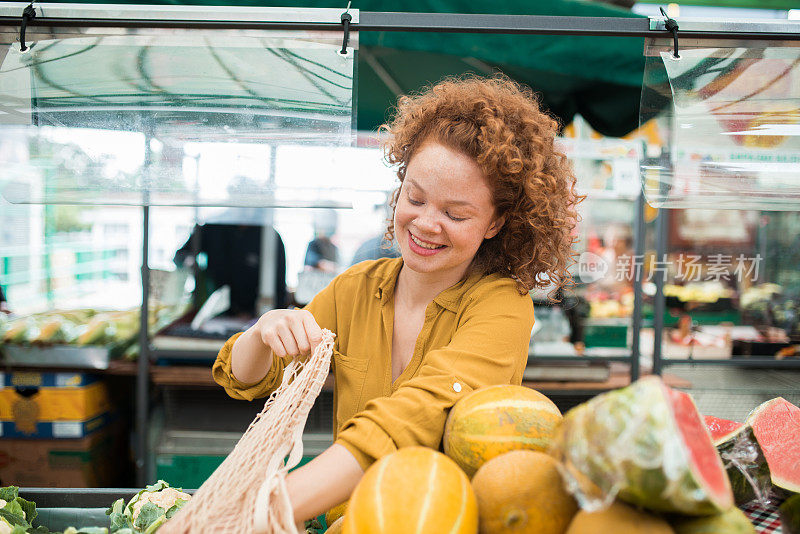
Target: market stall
<point>310,42</point>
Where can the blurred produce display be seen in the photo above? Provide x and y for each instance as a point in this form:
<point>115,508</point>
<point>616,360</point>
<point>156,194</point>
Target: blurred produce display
<point>607,306</point>
<point>769,305</point>
<point>85,327</point>
<point>702,292</point>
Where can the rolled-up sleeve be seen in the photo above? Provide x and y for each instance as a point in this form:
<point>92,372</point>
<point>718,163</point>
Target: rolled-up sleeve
<point>490,346</point>
<point>322,307</point>
<point>236,389</point>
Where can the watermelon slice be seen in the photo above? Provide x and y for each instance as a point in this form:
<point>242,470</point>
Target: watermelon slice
<point>746,465</point>
<point>789,512</point>
<point>721,430</point>
<point>646,444</point>
<point>776,426</point>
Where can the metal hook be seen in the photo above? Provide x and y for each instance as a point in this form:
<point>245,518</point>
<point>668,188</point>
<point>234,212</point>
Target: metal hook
<point>28,14</point>
<point>346,18</point>
<point>672,26</point>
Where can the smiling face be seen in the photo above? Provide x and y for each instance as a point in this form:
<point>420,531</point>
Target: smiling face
<point>444,212</point>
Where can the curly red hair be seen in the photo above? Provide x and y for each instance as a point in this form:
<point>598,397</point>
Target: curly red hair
<point>500,125</point>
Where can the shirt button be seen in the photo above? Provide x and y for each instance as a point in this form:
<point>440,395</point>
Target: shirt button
<point>457,387</point>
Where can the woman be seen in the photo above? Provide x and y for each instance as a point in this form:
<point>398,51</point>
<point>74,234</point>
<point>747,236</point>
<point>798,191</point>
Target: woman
<point>485,209</point>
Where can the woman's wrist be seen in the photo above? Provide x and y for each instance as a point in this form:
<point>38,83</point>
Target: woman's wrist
<point>251,359</point>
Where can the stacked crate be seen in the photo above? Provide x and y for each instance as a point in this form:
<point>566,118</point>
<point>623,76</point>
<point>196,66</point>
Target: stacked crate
<point>56,430</point>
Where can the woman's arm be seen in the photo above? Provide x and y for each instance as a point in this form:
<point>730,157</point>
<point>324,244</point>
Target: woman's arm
<point>278,332</point>
<point>322,483</point>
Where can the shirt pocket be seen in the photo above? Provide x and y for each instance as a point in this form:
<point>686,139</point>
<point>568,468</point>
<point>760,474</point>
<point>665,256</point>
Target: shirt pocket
<point>350,375</point>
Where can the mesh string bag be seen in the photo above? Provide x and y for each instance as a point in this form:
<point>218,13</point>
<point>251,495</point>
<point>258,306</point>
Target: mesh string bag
<point>247,492</point>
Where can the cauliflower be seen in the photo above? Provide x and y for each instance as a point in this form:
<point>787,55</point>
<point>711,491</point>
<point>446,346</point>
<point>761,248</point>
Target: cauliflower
<point>147,510</point>
<point>165,499</point>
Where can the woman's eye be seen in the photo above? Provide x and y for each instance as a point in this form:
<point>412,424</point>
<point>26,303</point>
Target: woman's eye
<point>454,218</point>
<point>414,202</point>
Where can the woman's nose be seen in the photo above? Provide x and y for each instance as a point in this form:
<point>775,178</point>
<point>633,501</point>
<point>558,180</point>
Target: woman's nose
<point>428,222</point>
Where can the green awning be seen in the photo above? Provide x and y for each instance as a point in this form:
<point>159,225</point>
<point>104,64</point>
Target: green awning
<point>599,78</point>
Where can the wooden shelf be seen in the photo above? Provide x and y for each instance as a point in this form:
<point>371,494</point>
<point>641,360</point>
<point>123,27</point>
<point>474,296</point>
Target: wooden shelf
<point>616,380</point>
<point>200,376</point>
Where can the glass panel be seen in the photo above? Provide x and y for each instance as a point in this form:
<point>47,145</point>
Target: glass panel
<point>731,285</point>
<point>594,318</point>
<point>179,117</point>
<point>733,122</point>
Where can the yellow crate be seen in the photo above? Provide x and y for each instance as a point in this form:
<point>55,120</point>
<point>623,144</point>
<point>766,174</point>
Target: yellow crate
<point>54,403</point>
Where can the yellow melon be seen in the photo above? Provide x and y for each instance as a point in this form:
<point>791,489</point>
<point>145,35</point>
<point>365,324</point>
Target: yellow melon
<point>336,526</point>
<point>620,519</point>
<point>521,491</point>
<point>414,489</point>
<point>497,419</point>
<point>332,515</point>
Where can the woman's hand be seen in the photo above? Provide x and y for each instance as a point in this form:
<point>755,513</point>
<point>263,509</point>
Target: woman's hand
<point>288,332</point>
<point>278,332</point>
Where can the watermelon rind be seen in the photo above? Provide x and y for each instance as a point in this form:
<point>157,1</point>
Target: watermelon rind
<point>626,443</point>
<point>785,484</point>
<point>746,466</point>
<point>789,513</point>
<point>734,521</point>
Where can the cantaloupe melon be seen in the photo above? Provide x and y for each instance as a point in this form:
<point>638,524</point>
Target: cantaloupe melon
<point>520,492</point>
<point>618,519</point>
<point>496,419</point>
<point>333,515</point>
<point>414,489</point>
<point>336,526</point>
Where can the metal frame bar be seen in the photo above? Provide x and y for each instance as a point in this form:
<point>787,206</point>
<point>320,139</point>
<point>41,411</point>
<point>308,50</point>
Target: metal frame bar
<point>219,17</point>
<point>659,304</point>
<point>638,251</point>
<point>760,362</point>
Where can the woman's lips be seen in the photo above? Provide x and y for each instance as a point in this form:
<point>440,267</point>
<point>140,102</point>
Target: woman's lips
<point>422,251</point>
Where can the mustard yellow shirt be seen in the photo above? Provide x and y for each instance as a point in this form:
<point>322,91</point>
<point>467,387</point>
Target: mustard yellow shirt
<point>476,333</point>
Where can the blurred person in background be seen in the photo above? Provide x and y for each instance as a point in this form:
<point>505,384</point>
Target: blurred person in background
<point>378,246</point>
<point>322,254</point>
<point>3,302</point>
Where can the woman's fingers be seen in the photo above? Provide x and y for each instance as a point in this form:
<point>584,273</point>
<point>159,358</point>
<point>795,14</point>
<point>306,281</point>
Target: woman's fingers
<point>273,341</point>
<point>291,333</point>
<point>312,330</point>
<point>287,338</point>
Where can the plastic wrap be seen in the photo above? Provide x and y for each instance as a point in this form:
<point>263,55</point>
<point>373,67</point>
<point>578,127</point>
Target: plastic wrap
<point>626,444</point>
<point>747,468</point>
<point>728,119</point>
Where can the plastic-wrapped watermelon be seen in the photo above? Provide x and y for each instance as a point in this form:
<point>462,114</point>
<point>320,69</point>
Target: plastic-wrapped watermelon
<point>646,444</point>
<point>776,427</point>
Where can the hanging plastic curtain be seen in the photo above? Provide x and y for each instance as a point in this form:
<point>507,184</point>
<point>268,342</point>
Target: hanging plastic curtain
<point>168,116</point>
<point>732,127</point>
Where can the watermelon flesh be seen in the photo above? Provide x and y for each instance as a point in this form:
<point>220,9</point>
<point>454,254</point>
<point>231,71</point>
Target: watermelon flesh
<point>776,426</point>
<point>721,429</point>
<point>703,456</point>
<point>645,444</point>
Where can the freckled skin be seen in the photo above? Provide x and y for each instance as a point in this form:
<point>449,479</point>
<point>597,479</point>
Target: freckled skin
<point>437,180</point>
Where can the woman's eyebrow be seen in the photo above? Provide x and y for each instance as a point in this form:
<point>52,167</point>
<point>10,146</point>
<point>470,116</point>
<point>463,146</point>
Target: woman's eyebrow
<point>450,202</point>
<point>415,184</point>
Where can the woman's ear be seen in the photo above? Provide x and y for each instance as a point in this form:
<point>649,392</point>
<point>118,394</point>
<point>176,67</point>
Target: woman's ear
<point>495,227</point>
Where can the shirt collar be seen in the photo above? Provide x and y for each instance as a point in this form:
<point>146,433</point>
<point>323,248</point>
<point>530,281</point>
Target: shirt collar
<point>449,299</point>
<point>386,287</point>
